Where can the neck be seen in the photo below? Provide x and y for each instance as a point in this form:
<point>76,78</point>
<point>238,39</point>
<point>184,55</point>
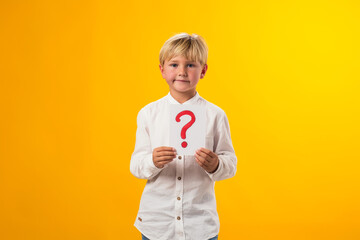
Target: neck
<point>182,97</point>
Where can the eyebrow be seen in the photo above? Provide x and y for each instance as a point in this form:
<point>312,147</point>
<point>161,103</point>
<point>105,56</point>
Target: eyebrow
<point>175,61</point>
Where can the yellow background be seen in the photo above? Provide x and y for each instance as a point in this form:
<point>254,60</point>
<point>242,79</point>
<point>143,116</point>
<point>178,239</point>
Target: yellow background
<point>74,74</point>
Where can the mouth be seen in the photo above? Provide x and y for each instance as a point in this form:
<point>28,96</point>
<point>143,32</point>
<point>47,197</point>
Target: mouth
<point>179,80</point>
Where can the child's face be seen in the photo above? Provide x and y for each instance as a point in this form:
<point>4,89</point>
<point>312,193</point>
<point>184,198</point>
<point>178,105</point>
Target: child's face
<point>182,75</point>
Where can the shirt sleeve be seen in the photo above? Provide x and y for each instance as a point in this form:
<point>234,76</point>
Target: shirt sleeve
<point>224,149</point>
<point>141,163</point>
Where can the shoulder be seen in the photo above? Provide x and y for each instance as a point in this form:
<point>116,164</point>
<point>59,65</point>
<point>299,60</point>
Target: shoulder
<point>215,115</point>
<point>153,106</point>
<point>213,109</point>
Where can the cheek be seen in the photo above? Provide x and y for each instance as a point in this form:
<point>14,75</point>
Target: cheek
<point>196,77</point>
<point>168,80</point>
<point>195,83</point>
<point>169,74</point>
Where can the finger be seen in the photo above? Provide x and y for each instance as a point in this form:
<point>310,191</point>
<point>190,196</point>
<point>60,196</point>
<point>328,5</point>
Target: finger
<point>202,162</point>
<point>165,158</point>
<point>207,151</point>
<point>202,165</point>
<point>163,148</point>
<point>203,155</point>
<point>164,161</point>
<point>172,151</point>
<point>199,162</point>
<point>161,164</point>
<point>165,153</point>
<point>200,153</point>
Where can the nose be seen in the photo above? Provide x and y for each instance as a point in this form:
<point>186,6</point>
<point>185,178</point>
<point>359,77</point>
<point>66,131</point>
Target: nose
<point>182,71</point>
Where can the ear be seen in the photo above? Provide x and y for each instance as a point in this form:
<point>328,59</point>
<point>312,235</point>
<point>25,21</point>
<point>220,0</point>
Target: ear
<point>161,70</point>
<point>203,71</point>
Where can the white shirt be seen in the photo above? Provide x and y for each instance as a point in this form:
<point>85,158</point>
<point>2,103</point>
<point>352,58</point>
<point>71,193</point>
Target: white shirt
<point>178,201</point>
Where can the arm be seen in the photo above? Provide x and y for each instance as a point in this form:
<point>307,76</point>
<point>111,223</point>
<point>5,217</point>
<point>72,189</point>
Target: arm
<point>141,163</point>
<point>224,150</point>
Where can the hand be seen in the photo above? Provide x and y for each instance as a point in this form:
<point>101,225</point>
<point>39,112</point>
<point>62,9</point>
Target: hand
<point>163,155</point>
<point>207,159</point>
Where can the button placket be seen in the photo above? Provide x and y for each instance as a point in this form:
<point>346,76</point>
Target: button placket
<point>179,227</point>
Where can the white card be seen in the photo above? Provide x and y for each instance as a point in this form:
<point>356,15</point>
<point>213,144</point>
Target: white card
<point>187,128</point>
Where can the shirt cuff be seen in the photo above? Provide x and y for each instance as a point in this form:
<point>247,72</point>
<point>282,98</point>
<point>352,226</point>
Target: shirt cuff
<point>211,175</point>
<point>153,170</point>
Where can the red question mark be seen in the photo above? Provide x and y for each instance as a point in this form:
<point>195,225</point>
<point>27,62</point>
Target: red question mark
<point>187,126</point>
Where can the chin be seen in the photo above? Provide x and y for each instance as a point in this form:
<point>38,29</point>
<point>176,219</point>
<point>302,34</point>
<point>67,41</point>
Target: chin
<point>184,90</point>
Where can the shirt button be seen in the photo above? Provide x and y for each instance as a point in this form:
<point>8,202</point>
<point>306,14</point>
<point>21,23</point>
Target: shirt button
<point>179,178</point>
<point>179,157</point>
<point>178,198</point>
<point>178,218</point>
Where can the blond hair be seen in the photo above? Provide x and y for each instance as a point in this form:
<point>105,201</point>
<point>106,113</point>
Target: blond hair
<point>193,47</point>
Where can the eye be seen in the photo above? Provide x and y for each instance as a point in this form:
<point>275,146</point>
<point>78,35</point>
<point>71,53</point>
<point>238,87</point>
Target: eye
<point>173,65</point>
<point>191,65</point>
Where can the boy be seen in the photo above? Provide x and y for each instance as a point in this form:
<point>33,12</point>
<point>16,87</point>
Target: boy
<point>178,201</point>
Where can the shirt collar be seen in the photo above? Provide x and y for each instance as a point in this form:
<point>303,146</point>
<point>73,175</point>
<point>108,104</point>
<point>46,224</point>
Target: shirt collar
<point>192,100</point>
